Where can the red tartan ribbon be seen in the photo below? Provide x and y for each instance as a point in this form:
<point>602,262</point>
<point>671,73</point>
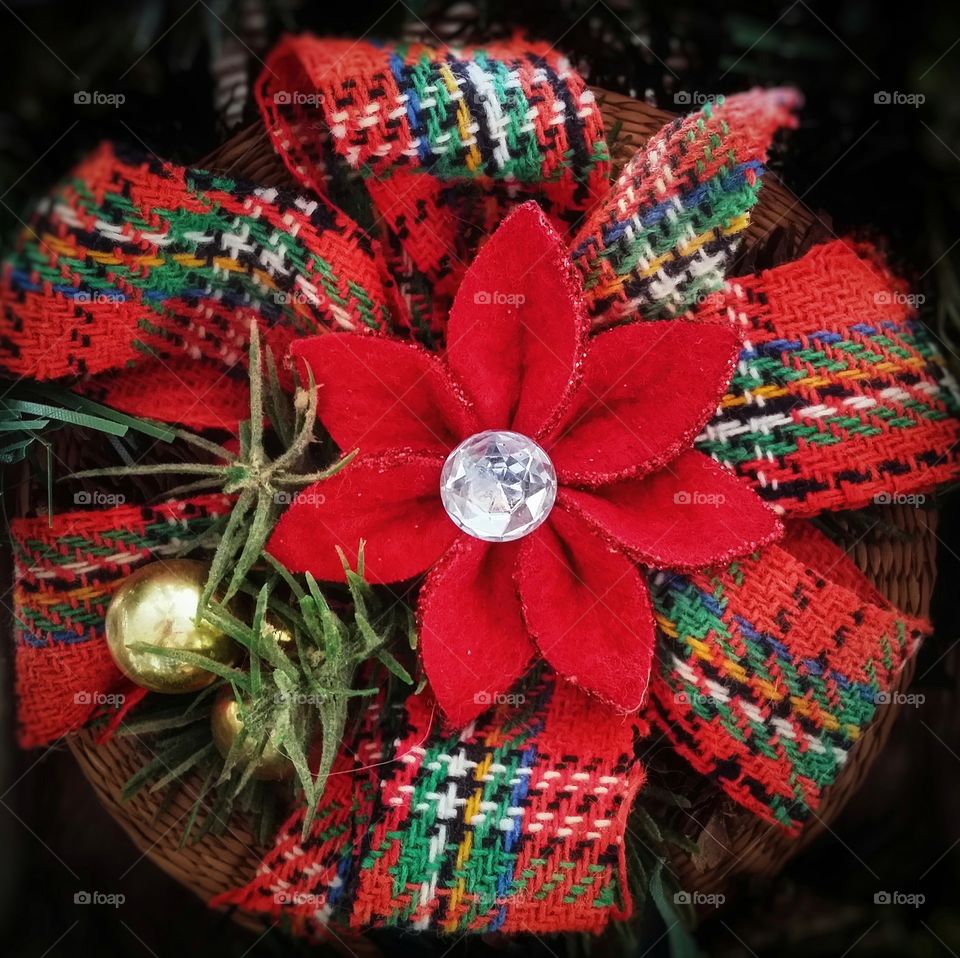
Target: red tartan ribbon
<point>666,232</point>
<point>516,824</point>
<point>842,398</point>
<point>444,141</point>
<point>143,278</point>
<point>65,571</point>
<point>771,670</point>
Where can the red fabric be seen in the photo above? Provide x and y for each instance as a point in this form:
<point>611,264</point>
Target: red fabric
<point>337,833</point>
<point>692,514</point>
<point>197,395</point>
<point>65,574</point>
<point>647,390</point>
<point>561,790</point>
<point>376,394</point>
<point>856,401</point>
<point>179,307</point>
<point>392,505</point>
<point>81,678</point>
<point>472,638</point>
<point>811,547</point>
<point>519,369</point>
<point>771,669</point>
<point>676,170</point>
<point>432,208</point>
<point>517,325</point>
<point>855,395</point>
<point>607,644</point>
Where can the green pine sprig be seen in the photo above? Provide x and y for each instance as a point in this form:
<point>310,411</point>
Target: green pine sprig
<point>29,411</point>
<point>261,485</point>
<point>652,842</point>
<point>178,740</point>
<point>295,699</point>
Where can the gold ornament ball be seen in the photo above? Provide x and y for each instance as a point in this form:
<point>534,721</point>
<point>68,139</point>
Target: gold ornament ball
<point>225,723</point>
<point>280,634</point>
<point>157,605</point>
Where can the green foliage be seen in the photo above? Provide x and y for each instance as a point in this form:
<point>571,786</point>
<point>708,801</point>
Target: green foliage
<point>295,699</point>
<point>286,697</point>
<point>260,483</point>
<point>30,411</point>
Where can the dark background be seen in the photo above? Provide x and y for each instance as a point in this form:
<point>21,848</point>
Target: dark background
<point>890,169</point>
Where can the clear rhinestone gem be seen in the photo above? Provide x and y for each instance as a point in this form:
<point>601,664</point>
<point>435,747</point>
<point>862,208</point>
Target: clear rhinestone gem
<point>498,485</point>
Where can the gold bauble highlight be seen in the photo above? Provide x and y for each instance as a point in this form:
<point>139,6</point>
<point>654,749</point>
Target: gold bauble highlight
<point>225,724</point>
<point>157,605</point>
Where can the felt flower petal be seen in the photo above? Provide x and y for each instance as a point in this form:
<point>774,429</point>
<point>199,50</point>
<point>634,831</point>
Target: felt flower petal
<point>376,394</point>
<point>690,514</point>
<point>391,503</point>
<point>472,637</point>
<point>588,609</point>
<point>646,392</point>
<point>517,325</point>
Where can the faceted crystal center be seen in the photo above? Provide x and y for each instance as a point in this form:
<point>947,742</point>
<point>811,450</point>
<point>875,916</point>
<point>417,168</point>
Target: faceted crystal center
<point>498,485</point>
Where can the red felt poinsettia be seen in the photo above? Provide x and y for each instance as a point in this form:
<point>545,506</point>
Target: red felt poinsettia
<point>617,414</point>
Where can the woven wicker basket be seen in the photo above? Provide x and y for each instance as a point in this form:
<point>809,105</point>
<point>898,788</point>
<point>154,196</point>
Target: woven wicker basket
<point>733,841</point>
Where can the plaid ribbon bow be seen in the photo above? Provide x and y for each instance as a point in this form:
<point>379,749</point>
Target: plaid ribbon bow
<point>137,282</point>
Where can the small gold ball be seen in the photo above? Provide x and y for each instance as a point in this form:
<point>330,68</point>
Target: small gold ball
<point>157,605</point>
<point>279,633</point>
<point>225,724</point>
